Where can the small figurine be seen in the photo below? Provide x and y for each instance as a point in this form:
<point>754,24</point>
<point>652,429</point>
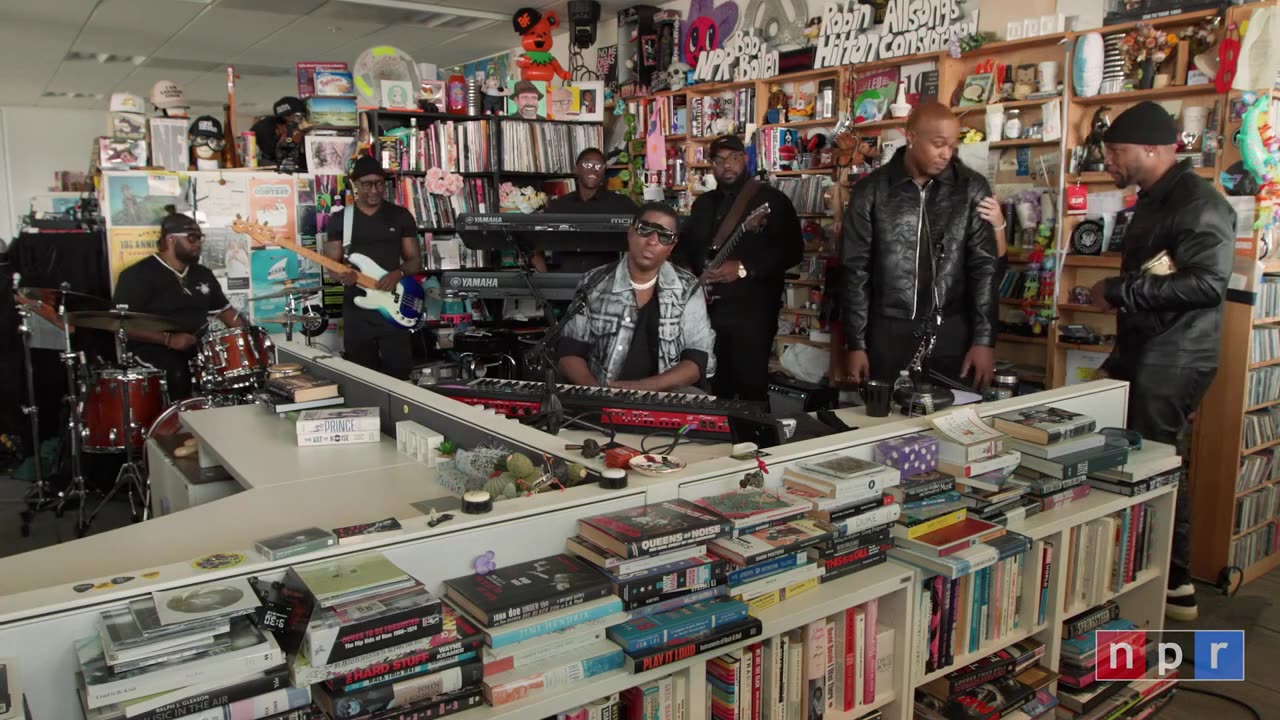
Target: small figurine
<point>777,112</point>
<point>495,96</point>
<point>813,29</point>
<point>534,29</point>
<point>1093,158</point>
<point>485,564</point>
<point>1080,295</point>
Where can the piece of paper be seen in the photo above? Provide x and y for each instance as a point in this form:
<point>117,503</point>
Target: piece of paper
<point>964,427</point>
<point>978,157</point>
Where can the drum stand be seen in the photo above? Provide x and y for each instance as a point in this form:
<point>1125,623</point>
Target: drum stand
<point>132,477</point>
<point>75,489</point>
<point>34,496</point>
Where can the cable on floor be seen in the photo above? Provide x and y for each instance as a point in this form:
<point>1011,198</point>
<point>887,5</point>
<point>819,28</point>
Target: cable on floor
<point>1184,688</point>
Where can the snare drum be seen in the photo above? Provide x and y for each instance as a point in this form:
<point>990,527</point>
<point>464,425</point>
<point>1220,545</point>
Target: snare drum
<point>104,407</point>
<point>232,358</point>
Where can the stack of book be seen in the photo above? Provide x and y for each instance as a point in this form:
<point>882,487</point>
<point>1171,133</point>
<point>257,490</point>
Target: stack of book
<point>1107,554</point>
<point>1008,684</point>
<point>1152,466</point>
<point>372,642</point>
<point>853,498</point>
<point>1059,449</point>
<point>1082,695</point>
<point>655,560</point>
<point>975,454</point>
<point>338,426</point>
<point>543,623</point>
<point>179,652</point>
<point>298,392</point>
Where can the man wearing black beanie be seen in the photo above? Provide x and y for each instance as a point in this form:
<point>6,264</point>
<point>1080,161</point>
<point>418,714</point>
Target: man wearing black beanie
<point>1168,298</point>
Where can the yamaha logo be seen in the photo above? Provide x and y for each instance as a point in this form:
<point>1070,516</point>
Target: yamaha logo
<point>473,282</point>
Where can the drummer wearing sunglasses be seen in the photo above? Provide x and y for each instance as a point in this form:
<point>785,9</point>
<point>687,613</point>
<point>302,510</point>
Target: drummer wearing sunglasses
<point>173,284</point>
<point>645,324</point>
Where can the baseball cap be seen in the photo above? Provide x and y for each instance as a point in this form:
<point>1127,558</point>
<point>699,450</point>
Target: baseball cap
<point>127,102</point>
<point>166,94</point>
<point>288,105</point>
<point>176,222</point>
<point>727,142</point>
<point>206,126</point>
<point>365,166</point>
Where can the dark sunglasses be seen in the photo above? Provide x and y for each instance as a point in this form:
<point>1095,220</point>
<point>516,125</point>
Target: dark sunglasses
<point>647,229</point>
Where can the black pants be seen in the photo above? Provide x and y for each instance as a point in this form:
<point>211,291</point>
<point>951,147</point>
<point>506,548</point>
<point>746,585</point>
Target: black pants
<point>385,349</point>
<point>1160,401</point>
<point>892,344</point>
<point>744,343</point>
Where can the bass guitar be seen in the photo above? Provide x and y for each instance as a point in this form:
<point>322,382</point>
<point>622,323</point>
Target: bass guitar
<point>402,307</point>
<point>754,221</point>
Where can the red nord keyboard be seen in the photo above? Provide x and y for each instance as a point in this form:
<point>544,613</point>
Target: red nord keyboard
<point>629,410</point>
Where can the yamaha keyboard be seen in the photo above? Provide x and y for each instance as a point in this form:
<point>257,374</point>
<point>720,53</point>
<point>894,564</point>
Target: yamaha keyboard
<point>503,284</point>
<point>557,232</point>
<point>627,410</point>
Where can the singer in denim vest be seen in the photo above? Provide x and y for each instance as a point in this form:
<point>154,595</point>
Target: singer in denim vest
<point>612,341</point>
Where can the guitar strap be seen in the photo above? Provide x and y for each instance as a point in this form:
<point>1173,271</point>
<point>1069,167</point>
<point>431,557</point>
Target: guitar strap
<point>736,212</point>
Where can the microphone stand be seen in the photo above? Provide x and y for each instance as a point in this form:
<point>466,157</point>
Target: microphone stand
<point>551,415</point>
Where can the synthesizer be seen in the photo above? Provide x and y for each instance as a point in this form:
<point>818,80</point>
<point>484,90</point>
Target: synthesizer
<point>627,410</point>
<point>503,284</point>
<point>543,222</point>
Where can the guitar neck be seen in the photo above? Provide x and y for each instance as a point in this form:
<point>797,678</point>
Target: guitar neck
<point>725,249</point>
<point>326,262</point>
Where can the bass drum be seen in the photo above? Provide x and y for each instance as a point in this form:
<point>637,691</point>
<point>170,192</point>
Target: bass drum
<point>168,423</point>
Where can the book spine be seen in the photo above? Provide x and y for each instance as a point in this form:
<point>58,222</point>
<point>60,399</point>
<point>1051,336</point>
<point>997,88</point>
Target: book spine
<point>405,693</point>
<point>360,638</point>
<point>914,529</point>
<point>761,570</point>
<point>551,679</point>
<point>270,682</point>
<point>1060,433</point>
<point>1093,619</point>
<point>662,631</point>
<point>880,516</point>
<point>527,654</point>
<point>183,675</point>
<point>695,578</point>
<point>351,438</point>
<point>918,492</point>
<point>261,706</point>
<point>855,626</point>
<point>545,606</point>
<point>405,672</point>
<point>870,649</point>
<point>499,638</point>
<point>338,425</point>
<point>633,605</point>
<point>731,635</point>
<point>438,708</point>
<point>829,674</point>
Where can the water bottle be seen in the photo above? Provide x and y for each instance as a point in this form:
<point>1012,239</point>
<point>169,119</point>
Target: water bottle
<point>902,388</point>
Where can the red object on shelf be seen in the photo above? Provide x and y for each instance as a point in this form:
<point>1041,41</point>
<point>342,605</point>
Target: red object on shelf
<point>456,95</point>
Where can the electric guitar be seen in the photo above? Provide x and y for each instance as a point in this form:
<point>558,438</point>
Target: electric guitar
<point>401,307</point>
<point>754,221</point>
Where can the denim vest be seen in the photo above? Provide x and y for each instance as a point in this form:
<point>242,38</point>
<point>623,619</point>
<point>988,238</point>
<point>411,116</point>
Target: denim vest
<point>609,321</point>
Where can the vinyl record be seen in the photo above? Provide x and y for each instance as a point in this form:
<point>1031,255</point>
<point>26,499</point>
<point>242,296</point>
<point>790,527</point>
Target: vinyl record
<point>203,600</point>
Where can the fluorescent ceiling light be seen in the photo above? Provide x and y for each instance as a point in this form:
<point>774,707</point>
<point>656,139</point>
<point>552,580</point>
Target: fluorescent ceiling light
<point>429,8</point>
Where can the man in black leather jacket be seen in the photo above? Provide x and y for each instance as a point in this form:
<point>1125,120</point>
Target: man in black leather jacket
<point>917,210</point>
<point>1169,322</point>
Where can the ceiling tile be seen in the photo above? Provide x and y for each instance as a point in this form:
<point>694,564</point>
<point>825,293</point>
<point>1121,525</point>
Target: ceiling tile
<point>135,27</point>
<point>221,34</point>
<point>294,8</point>
<point>90,76</point>
<point>307,39</point>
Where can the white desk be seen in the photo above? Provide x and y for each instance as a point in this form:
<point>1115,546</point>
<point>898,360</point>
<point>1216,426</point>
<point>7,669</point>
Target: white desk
<point>260,449</point>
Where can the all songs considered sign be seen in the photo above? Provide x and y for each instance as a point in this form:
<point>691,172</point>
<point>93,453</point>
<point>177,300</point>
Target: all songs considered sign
<point>850,34</point>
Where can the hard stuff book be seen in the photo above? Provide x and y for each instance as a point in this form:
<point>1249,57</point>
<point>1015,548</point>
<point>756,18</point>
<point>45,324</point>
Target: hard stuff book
<point>653,528</point>
<point>518,592</point>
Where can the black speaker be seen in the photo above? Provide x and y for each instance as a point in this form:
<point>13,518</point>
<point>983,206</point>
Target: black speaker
<point>789,397</point>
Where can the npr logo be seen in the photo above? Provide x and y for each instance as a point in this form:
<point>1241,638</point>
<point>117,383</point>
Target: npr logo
<point>1126,655</point>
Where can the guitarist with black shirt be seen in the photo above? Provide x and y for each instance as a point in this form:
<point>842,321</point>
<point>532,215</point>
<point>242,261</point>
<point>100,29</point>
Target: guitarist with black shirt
<point>747,286</point>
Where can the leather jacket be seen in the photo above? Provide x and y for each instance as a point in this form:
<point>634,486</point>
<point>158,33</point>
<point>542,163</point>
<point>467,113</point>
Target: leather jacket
<point>889,221</point>
<point>1174,319</point>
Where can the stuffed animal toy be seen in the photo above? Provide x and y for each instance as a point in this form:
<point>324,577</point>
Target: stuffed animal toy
<point>1024,81</point>
<point>534,29</point>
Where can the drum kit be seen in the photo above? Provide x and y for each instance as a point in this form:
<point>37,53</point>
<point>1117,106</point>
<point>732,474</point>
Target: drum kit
<point>115,407</point>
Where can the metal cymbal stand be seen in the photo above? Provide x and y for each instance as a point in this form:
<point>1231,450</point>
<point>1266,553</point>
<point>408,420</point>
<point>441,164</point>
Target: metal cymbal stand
<point>35,495</point>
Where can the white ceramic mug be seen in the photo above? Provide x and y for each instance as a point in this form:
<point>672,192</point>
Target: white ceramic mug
<point>1047,73</point>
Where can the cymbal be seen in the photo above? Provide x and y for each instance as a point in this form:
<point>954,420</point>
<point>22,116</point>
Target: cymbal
<point>53,296</point>
<point>300,290</point>
<point>114,320</point>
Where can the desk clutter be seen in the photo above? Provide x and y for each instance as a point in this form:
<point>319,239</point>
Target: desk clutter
<point>358,637</point>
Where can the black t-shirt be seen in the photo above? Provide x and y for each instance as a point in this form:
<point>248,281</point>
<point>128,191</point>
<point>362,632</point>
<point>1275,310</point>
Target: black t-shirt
<point>603,202</point>
<point>151,286</point>
<point>642,356</point>
<point>377,237</point>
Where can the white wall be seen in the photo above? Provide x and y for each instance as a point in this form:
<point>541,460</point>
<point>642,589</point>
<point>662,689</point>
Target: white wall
<point>35,143</point>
